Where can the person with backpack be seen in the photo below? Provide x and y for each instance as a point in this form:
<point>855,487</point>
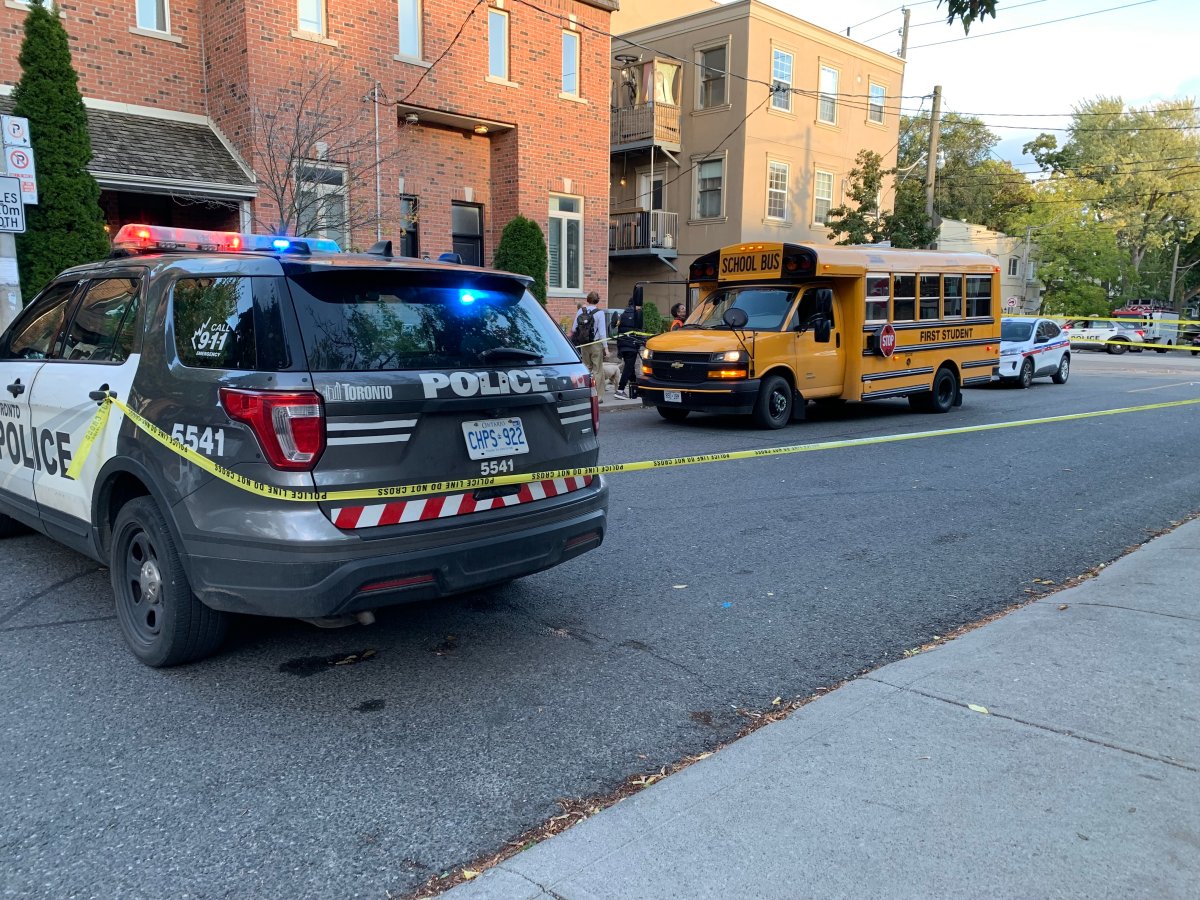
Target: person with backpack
<point>588,334</point>
<point>629,344</point>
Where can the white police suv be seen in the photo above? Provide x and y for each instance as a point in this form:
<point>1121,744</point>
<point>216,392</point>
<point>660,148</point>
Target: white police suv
<point>1031,348</point>
<point>310,389</point>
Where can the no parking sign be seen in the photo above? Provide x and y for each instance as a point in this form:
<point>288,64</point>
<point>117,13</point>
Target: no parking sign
<point>19,162</point>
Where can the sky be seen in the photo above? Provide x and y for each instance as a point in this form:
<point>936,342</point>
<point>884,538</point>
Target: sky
<point>1029,80</point>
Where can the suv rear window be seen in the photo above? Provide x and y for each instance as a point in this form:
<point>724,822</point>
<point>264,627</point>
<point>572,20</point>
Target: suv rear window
<point>230,323</point>
<point>393,319</point>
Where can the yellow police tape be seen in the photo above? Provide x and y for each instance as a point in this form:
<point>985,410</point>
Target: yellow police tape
<point>441,487</point>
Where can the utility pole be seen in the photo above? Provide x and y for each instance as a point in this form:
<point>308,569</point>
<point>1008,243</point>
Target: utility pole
<point>935,125</point>
<point>904,35</point>
<point>1174,270</point>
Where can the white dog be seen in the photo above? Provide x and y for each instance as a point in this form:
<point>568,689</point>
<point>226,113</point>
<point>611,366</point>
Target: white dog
<point>612,374</point>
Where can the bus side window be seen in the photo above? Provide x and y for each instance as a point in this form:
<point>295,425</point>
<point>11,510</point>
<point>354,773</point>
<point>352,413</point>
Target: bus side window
<point>953,290</point>
<point>979,295</point>
<point>931,297</point>
<point>904,298</point>
<point>878,294</point>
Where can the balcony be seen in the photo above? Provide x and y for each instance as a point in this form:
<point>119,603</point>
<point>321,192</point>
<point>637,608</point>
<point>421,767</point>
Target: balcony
<point>643,233</point>
<point>645,125</point>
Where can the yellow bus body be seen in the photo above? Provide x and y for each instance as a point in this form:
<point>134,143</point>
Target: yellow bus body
<point>942,309</point>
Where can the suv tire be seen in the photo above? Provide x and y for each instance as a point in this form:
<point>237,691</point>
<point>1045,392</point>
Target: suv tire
<point>1117,346</point>
<point>1025,378</point>
<point>162,621</point>
<point>773,408</point>
<point>1063,372</point>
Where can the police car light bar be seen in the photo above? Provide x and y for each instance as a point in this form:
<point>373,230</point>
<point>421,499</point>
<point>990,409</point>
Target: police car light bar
<point>162,237</point>
<point>283,244</point>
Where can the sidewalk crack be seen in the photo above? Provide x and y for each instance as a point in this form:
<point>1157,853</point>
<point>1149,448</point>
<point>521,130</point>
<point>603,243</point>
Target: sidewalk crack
<point>1062,732</point>
<point>541,887</point>
<point>1152,612</point>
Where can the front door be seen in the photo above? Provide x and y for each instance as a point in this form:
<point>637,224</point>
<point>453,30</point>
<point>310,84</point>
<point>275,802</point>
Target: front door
<point>820,367</point>
<point>27,344</point>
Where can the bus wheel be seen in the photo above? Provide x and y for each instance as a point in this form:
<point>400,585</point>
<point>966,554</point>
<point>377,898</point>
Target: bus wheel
<point>773,408</point>
<point>941,398</point>
<point>672,413</point>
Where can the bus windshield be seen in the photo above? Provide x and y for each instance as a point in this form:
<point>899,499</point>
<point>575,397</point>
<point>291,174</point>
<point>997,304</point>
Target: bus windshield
<point>765,307</point>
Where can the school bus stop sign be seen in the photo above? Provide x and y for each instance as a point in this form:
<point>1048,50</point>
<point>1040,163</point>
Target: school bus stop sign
<point>885,340</point>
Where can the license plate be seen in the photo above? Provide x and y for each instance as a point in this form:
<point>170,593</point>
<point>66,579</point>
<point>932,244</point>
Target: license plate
<point>673,396</point>
<point>486,438</point>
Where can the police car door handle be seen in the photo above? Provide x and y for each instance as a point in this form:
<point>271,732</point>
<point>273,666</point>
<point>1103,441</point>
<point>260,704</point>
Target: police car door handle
<point>16,388</point>
<point>101,395</point>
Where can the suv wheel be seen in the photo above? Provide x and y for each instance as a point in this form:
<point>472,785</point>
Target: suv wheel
<point>1117,346</point>
<point>161,619</point>
<point>1064,370</point>
<point>1025,379</point>
<point>773,408</point>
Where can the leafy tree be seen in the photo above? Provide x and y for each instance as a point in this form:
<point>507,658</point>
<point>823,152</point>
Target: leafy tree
<point>66,227</point>
<point>971,184</point>
<point>1137,168</point>
<point>968,11</point>
<point>905,226</point>
<point>523,249</point>
<point>652,320</point>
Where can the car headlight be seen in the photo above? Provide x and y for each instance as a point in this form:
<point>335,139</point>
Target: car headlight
<point>731,356</point>
<point>647,353</point>
<point>1010,352</point>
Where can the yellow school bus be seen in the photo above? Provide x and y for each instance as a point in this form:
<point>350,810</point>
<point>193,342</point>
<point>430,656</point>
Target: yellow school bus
<point>776,325</point>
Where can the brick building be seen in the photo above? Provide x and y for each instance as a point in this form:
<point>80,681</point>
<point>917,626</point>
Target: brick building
<point>430,122</point>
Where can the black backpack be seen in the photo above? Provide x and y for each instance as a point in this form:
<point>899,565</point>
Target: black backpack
<point>585,327</point>
<point>629,320</point>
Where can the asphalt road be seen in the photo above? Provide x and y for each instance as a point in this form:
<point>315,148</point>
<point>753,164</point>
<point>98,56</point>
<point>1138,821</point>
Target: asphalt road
<point>270,772</point>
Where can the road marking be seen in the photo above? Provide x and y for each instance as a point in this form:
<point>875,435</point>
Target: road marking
<point>1159,387</point>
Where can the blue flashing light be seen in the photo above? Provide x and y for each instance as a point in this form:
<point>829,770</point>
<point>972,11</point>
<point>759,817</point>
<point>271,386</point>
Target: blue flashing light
<point>466,297</point>
<point>281,243</point>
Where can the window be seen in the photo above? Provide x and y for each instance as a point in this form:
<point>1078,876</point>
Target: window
<point>565,246</point>
<point>152,15</point>
<point>777,190</point>
<point>822,196</point>
<point>904,297</point>
<point>230,323</point>
<point>570,63</point>
<point>410,243</point>
<point>781,80</point>
<point>827,85</point>
<point>103,327</point>
<point>466,231</point>
<point>322,208</point>
<point>1013,265</point>
<point>410,28</point>
<point>877,298</point>
<point>40,324</point>
<point>979,295</point>
<point>712,77</point>
<point>876,96</point>
<point>710,181</point>
<point>953,290</point>
<point>931,296</point>
<point>498,44</point>
<point>311,18</point>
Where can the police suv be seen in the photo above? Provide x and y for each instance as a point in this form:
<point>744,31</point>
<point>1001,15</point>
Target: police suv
<point>297,373</point>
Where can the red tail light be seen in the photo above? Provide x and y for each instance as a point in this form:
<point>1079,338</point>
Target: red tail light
<point>290,426</point>
<point>595,406</point>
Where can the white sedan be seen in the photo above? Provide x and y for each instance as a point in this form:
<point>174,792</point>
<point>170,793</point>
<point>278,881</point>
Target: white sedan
<point>1031,348</point>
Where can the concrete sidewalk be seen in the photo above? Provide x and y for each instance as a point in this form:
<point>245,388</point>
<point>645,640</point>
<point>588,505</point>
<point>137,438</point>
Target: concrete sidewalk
<point>1081,779</point>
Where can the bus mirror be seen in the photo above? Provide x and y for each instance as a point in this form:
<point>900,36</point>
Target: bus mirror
<point>824,300</point>
<point>735,318</point>
<point>822,327</point>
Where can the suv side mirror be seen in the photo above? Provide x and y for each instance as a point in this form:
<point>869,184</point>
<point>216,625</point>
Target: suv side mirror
<point>735,318</point>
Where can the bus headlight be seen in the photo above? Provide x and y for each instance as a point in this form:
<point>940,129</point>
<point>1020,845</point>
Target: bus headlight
<point>647,353</point>
<point>731,356</point>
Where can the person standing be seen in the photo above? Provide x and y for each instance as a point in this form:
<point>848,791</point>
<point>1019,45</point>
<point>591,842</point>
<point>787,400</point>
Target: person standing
<point>588,334</point>
<point>629,345</point>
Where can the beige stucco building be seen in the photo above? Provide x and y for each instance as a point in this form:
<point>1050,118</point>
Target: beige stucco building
<point>1020,291</point>
<point>731,123</point>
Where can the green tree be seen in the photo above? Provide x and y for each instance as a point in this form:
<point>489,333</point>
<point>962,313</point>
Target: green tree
<point>968,11</point>
<point>522,249</point>
<point>863,222</point>
<point>66,227</point>
<point>1138,169</point>
<point>907,225</point>
<point>652,320</point>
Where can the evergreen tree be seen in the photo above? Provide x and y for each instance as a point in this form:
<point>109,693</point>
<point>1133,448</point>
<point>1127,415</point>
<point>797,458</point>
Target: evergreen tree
<point>652,320</point>
<point>523,250</point>
<point>66,227</point>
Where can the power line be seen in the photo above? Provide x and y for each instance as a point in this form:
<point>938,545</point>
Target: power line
<point>890,11</point>
<point>972,37</point>
<point>1007,9</point>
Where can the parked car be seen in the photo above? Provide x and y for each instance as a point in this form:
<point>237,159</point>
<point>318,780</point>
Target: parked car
<point>1105,334</point>
<point>1032,348</point>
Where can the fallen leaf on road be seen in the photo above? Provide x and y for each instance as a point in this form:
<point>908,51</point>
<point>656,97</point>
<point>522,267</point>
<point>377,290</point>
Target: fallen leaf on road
<point>1063,606</point>
<point>469,874</point>
<point>776,701</point>
<point>679,587</point>
<point>978,709</point>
